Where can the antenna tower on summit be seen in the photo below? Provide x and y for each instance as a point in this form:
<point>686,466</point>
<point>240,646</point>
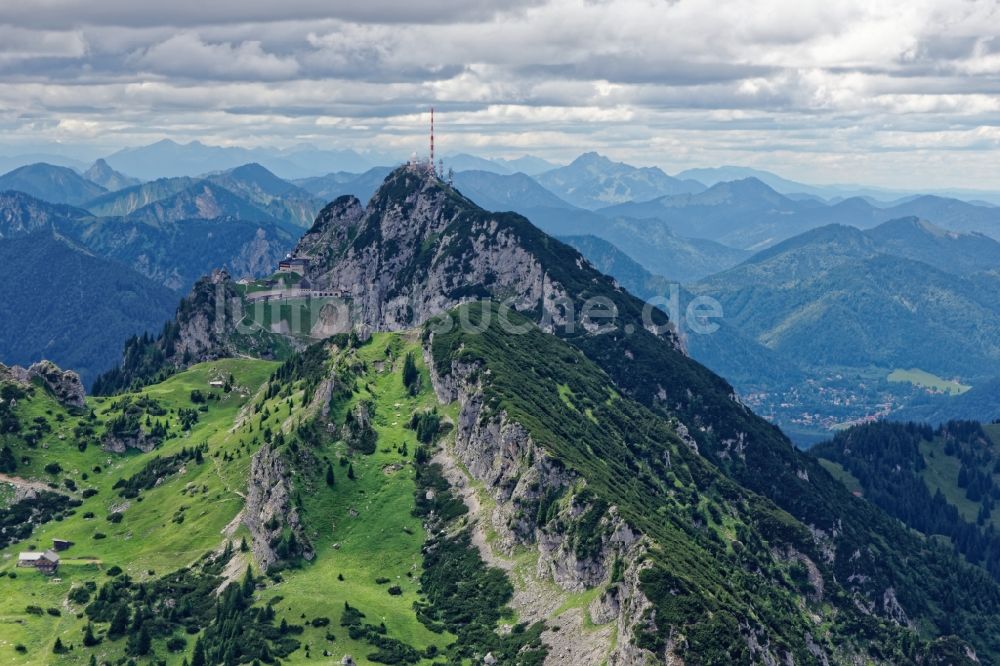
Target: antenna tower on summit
<point>432,138</point>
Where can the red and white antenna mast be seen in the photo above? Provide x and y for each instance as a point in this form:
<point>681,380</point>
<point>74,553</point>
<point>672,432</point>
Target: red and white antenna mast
<point>432,139</point>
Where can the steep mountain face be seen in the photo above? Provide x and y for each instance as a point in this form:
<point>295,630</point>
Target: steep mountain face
<point>206,327</point>
<point>64,385</point>
<point>589,510</point>
<point>101,173</point>
<point>832,297</point>
<point>55,184</point>
<point>593,181</point>
<point>420,248</point>
<point>75,308</point>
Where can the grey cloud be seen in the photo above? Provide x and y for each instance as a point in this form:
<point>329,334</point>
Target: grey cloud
<point>187,55</point>
<point>635,69</point>
<point>187,13</point>
<point>721,76</point>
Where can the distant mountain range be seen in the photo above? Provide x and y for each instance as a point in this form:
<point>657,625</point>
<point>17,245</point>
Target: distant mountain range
<point>247,192</point>
<point>831,193</point>
<point>169,159</point>
<point>727,351</point>
<point>593,181</point>
<point>651,243</point>
<point>172,251</point>
<point>502,192</point>
<point>334,185</point>
<point>52,183</point>
<point>527,164</point>
<point>101,173</point>
<point>840,297</point>
<point>748,214</point>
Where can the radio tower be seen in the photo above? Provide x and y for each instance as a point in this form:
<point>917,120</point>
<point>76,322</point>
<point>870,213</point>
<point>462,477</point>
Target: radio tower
<point>432,140</point>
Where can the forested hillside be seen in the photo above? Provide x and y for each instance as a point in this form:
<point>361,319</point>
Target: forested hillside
<point>66,305</point>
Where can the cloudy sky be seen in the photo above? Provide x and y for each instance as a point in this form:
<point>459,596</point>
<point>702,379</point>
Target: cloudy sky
<point>903,93</point>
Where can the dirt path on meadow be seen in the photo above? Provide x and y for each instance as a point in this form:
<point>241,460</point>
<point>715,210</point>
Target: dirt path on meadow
<point>23,485</point>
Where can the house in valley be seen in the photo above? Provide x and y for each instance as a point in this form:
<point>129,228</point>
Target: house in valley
<point>46,562</point>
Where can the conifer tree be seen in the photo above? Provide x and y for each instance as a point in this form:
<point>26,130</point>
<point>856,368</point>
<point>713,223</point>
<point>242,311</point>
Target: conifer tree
<point>248,584</point>
<point>89,640</point>
<point>410,373</point>
<point>198,658</point>
<point>119,622</point>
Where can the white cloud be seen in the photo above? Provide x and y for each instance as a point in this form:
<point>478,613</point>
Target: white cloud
<point>186,55</point>
<point>677,83</point>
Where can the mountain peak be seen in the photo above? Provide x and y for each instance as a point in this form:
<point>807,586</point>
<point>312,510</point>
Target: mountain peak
<point>748,185</point>
<point>912,223</point>
<point>592,158</point>
<point>407,181</point>
<point>101,173</point>
<point>51,183</point>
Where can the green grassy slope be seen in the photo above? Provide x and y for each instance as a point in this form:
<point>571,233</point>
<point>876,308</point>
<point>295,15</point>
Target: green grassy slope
<point>383,540</point>
<point>147,540</point>
<point>367,539</point>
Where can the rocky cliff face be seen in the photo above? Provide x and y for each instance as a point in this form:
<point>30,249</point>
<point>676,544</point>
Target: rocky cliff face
<point>65,385</point>
<point>542,505</point>
<point>22,214</point>
<point>420,248</point>
<point>208,326</point>
<point>120,444</point>
<point>269,512</point>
